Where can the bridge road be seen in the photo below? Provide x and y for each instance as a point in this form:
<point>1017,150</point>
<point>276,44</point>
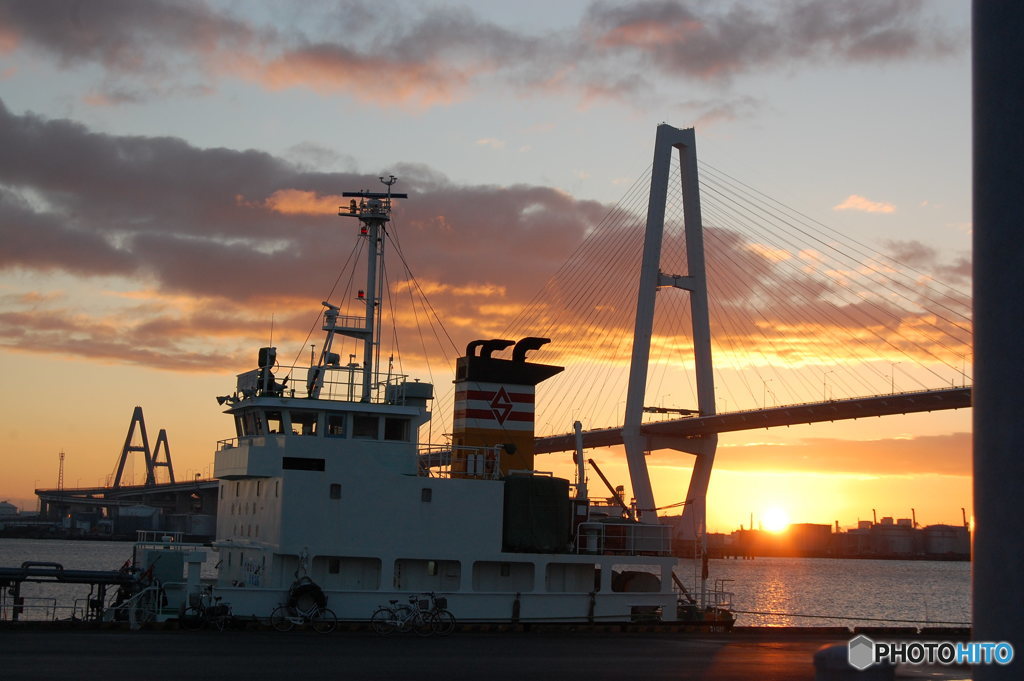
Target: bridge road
<point>80,655</point>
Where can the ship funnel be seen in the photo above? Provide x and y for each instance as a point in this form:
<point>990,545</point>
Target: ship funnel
<point>494,404</point>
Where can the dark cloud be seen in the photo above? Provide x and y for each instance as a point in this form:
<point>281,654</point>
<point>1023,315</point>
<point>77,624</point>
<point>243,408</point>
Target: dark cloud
<point>207,224</point>
<point>716,41</point>
<point>435,53</point>
<point>125,35</point>
<point>923,256</point>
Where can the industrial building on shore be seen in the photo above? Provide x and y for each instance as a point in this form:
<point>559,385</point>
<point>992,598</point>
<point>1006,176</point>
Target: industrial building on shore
<point>887,539</point>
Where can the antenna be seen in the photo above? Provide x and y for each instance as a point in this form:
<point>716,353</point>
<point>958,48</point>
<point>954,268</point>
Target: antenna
<point>271,343</point>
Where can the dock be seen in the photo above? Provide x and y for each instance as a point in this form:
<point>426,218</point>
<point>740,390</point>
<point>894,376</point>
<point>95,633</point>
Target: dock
<point>32,653</point>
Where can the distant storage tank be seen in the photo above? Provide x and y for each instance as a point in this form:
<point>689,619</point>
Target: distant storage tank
<point>941,540</point>
<point>494,406</point>
<point>888,539</point>
<point>138,517</point>
<point>904,522</point>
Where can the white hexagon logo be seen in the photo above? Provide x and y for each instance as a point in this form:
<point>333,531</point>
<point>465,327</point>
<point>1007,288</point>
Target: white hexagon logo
<point>861,652</point>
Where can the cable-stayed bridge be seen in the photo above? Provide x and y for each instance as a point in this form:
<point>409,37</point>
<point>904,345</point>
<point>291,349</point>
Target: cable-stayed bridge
<point>741,302</point>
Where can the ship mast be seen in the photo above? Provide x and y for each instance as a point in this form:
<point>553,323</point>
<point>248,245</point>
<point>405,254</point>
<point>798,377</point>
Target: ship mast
<point>373,209</point>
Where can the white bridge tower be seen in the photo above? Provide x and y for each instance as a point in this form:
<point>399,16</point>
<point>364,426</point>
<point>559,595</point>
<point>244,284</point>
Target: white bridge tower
<point>695,282</point>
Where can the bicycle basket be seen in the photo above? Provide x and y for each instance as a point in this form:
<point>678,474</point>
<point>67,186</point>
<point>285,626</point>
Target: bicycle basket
<point>424,604</point>
<point>441,603</point>
<point>218,611</point>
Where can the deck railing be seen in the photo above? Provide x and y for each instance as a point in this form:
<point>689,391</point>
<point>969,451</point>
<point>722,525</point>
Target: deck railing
<point>623,538</point>
<point>446,461</point>
<point>340,383</point>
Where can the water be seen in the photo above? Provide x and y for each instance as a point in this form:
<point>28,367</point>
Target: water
<point>51,600</point>
<point>920,592</point>
<point>936,593</point>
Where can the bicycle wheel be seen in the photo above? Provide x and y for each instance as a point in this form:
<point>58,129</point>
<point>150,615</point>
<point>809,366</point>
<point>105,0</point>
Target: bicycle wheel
<point>222,620</point>
<point>421,623</point>
<point>383,621</point>
<point>281,618</point>
<point>324,621</point>
<point>443,622</point>
<point>192,619</point>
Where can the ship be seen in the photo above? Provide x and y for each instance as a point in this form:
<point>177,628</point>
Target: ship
<point>326,490</point>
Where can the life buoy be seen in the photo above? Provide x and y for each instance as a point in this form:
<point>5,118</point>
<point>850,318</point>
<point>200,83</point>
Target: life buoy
<point>307,590</point>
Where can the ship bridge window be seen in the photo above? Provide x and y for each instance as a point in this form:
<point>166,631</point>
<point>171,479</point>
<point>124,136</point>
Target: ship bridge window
<point>274,422</point>
<point>247,424</point>
<point>396,429</point>
<point>365,426</point>
<point>303,422</point>
<point>336,425</point>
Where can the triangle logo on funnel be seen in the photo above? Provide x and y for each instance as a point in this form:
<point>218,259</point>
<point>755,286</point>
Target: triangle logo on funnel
<point>501,405</point>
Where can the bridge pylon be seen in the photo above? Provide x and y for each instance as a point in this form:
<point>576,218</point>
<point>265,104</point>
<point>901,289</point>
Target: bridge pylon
<point>694,281</point>
<point>150,457</point>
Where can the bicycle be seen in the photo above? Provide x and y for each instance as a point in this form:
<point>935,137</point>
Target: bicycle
<point>403,618</point>
<point>208,611</point>
<point>441,619</point>
<point>286,617</point>
<point>424,615</point>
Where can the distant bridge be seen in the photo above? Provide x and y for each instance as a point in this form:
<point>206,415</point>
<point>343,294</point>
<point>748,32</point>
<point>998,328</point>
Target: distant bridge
<point>173,497</point>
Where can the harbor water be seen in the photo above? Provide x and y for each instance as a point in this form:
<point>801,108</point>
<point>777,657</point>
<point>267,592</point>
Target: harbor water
<point>766,591</point>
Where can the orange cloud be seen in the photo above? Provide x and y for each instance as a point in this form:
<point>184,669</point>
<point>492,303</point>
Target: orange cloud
<point>8,40</point>
<point>651,33</point>
<point>491,143</point>
<point>331,69</point>
<point>300,202</point>
<point>859,203</point>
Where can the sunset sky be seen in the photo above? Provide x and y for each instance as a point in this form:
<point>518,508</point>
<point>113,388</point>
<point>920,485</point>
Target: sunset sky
<point>170,173</point>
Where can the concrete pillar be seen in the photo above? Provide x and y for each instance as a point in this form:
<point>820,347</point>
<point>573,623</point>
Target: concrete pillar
<point>998,575</point>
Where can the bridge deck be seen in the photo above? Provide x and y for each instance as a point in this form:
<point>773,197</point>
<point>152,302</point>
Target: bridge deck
<point>815,412</point>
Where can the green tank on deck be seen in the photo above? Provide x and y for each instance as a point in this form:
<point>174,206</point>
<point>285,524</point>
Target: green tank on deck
<point>538,515</point>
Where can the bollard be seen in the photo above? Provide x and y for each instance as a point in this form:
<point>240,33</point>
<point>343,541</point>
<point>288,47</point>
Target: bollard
<point>831,664</point>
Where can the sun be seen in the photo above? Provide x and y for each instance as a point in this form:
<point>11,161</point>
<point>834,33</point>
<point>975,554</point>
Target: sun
<point>775,519</point>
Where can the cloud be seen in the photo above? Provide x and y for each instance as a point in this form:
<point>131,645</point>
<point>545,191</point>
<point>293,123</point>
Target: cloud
<point>490,142</point>
<point>859,203</point>
<point>437,54</point>
<point>722,40</point>
<point>925,257</point>
<point>253,233</point>
<point>248,229</point>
